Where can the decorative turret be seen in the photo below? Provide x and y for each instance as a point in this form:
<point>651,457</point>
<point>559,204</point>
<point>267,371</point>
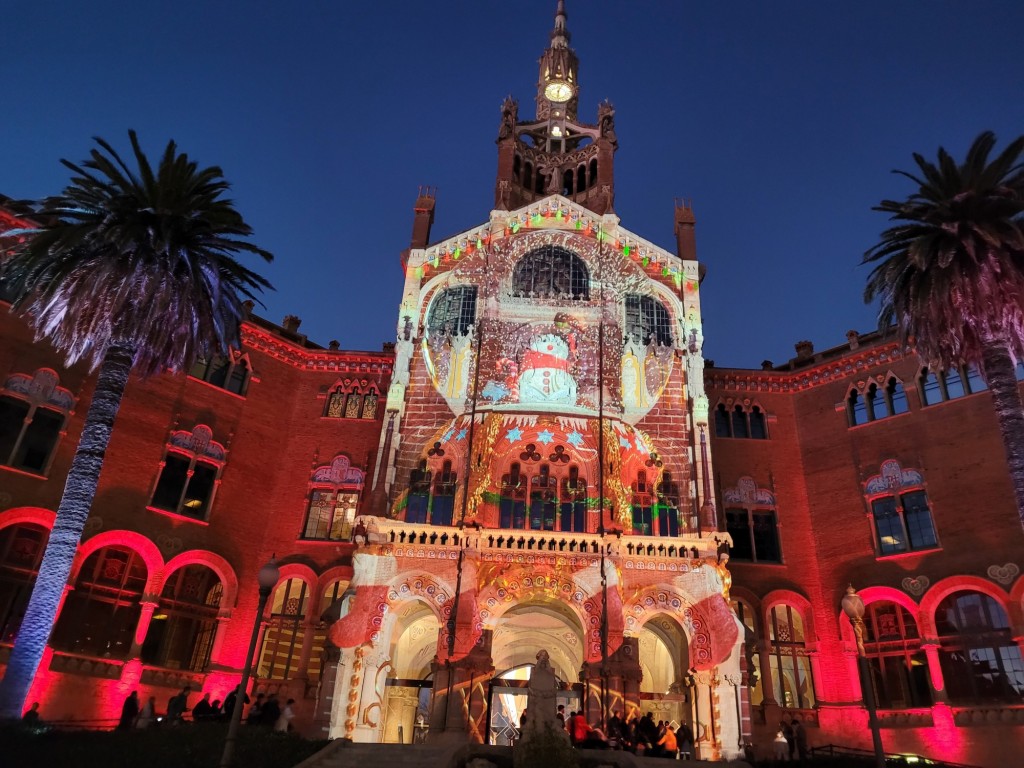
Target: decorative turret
<point>555,154</point>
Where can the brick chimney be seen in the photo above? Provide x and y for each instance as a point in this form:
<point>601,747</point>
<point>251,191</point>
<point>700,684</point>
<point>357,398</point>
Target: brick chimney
<point>686,240</point>
<point>804,350</point>
<point>291,323</point>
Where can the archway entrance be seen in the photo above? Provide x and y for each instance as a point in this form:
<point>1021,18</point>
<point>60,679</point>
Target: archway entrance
<point>518,635</point>
<point>409,683</point>
<point>664,663</point>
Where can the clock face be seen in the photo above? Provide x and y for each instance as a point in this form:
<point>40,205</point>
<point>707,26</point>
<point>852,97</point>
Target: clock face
<point>558,92</point>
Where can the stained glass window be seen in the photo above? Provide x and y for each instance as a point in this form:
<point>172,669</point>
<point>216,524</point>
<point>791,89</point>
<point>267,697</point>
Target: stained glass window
<point>792,682</point>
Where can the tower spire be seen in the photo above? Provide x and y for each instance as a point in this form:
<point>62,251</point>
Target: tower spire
<point>560,34</point>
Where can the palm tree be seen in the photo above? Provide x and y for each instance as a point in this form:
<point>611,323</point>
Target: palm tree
<point>950,275</point>
<point>130,270</point>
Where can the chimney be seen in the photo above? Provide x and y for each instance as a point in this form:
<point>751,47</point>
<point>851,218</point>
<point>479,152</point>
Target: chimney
<point>423,217</point>
<point>854,338</point>
<point>334,345</point>
<point>291,323</point>
<point>686,241</point>
<point>804,350</point>
<point>767,365</point>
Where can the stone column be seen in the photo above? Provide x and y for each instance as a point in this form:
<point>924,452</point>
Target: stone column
<point>149,605</point>
<point>931,652</point>
<point>218,638</point>
<point>459,708</point>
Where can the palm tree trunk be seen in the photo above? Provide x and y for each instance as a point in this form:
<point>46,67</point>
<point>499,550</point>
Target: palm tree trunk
<point>1002,381</point>
<point>79,492</point>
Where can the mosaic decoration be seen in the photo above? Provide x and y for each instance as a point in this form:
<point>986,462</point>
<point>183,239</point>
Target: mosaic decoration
<point>1004,574</point>
<point>916,585</point>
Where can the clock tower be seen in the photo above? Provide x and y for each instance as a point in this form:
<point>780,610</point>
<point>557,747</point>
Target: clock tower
<point>555,153</point>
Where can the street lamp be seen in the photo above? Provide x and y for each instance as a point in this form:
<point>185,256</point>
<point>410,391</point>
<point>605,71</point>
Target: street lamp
<point>853,607</point>
<point>267,578</point>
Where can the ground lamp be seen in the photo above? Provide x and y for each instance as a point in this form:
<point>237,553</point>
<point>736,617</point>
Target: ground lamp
<point>853,607</point>
<point>267,579</point>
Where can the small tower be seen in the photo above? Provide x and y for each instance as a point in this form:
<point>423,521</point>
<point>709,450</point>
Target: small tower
<point>555,153</point>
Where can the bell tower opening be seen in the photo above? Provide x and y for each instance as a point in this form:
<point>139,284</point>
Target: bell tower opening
<point>555,153</point>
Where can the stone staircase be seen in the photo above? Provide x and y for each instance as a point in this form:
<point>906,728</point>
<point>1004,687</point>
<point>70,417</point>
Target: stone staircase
<point>346,754</point>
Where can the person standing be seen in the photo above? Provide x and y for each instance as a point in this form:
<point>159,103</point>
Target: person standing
<point>684,740</point>
<point>147,716</point>
<point>271,711</point>
<point>787,732</point>
<point>129,711</point>
<point>203,710</point>
<point>178,706</point>
<point>781,746</point>
<point>800,736</point>
<point>667,743</point>
<point>284,722</point>
<point>31,716</point>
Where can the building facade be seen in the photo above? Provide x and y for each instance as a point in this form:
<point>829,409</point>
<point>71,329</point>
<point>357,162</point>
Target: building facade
<point>541,461</point>
<point>861,466</point>
<point>545,478</point>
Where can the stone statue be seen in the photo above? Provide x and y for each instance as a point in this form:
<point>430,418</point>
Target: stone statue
<point>540,702</point>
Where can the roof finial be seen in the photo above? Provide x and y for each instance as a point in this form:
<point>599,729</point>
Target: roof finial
<point>560,34</point>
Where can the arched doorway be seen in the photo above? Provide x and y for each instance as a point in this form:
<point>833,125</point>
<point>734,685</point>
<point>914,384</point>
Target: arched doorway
<point>518,635</point>
<point>664,663</point>
<point>409,682</point>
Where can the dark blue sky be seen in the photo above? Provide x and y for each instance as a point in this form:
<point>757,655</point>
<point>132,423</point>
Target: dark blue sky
<point>780,120</point>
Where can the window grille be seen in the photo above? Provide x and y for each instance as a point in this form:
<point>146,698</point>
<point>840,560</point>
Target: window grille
<point>453,311</point>
<point>647,321</point>
<point>551,272</point>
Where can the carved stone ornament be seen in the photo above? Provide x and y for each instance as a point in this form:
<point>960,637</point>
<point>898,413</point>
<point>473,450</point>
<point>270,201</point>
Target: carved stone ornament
<point>1004,574</point>
<point>916,585</point>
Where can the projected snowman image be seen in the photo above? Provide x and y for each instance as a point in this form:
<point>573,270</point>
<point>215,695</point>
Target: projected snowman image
<point>544,372</point>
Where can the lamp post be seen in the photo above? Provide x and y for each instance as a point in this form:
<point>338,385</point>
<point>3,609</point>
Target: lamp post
<point>853,607</point>
<point>267,578</point>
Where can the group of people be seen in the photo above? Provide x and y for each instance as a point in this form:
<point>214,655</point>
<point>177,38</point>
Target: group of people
<point>791,740</point>
<point>266,710</point>
<point>640,735</point>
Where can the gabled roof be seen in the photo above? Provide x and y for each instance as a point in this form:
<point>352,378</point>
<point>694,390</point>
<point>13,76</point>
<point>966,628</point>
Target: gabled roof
<point>554,212</point>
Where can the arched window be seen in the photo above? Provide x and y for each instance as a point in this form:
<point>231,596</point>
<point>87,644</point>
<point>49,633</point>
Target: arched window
<point>352,400</point>
<point>551,272</point>
<point>286,631</point>
<point>102,611</point>
<point>333,500</point>
<point>517,167</point>
<point>574,502</point>
<point>792,683</point>
<point>751,520</point>
<point>752,654</point>
<point>592,176</point>
<point>543,500</point>
<point>647,321</point>
<point>581,179</point>
<point>856,409</point>
<point>895,397</point>
<point>936,387</point>
<point>418,504</point>
<point>330,610</point>
<point>900,510</point>
<point>228,373</point>
<point>512,506</point>
<point>528,176</point>
<point>899,669</point>
<point>666,509</point>
<point>33,411</point>
<point>21,550</point>
<point>980,660</point>
<point>723,427</point>
<point>739,422</point>
<point>181,632</point>
<point>442,505</point>
<point>643,503</point>
<point>567,183</point>
<point>743,421</point>
<point>453,311</point>
<point>758,425</point>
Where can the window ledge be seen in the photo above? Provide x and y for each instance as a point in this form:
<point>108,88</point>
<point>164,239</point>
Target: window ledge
<point>757,563</point>
<point>24,472</point>
<point>227,392</point>
<point>748,439</point>
<point>959,399</point>
<point>883,420</point>
<point>177,516</point>
<point>348,418</point>
<point>911,553</point>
